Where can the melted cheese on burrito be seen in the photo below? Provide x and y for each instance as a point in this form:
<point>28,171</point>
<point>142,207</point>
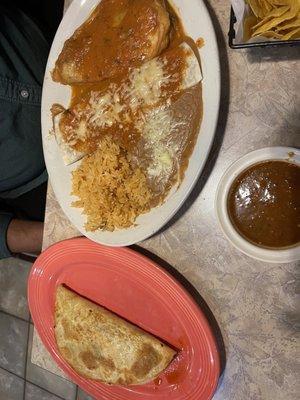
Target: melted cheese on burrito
<point>121,108</point>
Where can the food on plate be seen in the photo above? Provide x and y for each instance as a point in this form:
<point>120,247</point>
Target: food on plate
<point>122,105</point>
<point>112,193</point>
<point>119,35</point>
<point>115,186</point>
<point>264,204</point>
<point>100,345</point>
<point>275,19</point>
<point>130,127</point>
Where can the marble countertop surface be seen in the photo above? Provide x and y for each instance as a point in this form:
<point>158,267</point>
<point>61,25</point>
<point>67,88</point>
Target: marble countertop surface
<point>254,303</point>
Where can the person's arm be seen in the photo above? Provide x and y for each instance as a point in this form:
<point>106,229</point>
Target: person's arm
<point>5,220</point>
<point>24,236</point>
<point>18,236</point>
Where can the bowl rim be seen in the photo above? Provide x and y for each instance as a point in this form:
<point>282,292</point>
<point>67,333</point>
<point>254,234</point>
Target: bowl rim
<point>286,255</point>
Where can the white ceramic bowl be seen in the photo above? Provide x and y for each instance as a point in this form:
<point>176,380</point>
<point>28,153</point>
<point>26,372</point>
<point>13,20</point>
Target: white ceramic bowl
<point>259,253</point>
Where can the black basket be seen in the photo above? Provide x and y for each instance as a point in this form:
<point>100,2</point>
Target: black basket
<point>231,35</point>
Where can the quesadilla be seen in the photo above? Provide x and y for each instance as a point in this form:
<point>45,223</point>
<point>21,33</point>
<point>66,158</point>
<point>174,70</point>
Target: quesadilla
<point>100,345</point>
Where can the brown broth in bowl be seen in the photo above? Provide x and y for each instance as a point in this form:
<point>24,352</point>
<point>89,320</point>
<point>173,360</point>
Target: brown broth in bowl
<point>264,204</point>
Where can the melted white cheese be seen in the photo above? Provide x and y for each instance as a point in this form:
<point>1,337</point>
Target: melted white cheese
<point>105,109</point>
<point>156,127</point>
<point>146,83</point>
<point>143,89</point>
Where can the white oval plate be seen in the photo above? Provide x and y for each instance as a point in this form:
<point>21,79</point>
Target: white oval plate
<point>259,253</point>
<point>197,24</point>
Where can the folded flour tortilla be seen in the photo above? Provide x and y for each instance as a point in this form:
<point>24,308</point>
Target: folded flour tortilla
<point>102,346</point>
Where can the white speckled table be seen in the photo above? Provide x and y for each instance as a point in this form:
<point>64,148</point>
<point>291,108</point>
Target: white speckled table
<point>253,302</point>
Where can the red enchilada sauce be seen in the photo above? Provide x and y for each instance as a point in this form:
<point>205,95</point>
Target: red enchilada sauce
<point>264,204</point>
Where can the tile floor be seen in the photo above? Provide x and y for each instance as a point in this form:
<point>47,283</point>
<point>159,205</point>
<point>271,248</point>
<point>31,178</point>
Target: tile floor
<point>19,378</point>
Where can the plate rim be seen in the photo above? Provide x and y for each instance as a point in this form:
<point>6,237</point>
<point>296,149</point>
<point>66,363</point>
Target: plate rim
<point>34,277</point>
<point>164,217</point>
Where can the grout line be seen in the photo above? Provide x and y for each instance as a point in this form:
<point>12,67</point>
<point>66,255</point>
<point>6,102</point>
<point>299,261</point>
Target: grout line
<point>23,378</point>
<point>13,373</point>
<point>15,316</point>
<point>27,380</point>
<point>26,358</point>
<point>24,391</point>
<point>34,384</point>
<point>45,390</point>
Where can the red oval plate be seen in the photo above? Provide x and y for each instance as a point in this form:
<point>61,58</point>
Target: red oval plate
<point>137,289</point>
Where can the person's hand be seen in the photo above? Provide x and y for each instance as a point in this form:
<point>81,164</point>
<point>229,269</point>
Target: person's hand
<point>25,236</point>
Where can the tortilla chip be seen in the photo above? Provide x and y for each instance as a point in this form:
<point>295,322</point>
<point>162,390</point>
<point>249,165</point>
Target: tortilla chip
<point>276,3</point>
<point>277,12</point>
<point>266,7</point>
<point>295,33</point>
<point>294,23</point>
<point>271,4</point>
<point>250,20</point>
<point>276,19</point>
<point>275,22</point>
<point>270,35</point>
<point>256,9</point>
